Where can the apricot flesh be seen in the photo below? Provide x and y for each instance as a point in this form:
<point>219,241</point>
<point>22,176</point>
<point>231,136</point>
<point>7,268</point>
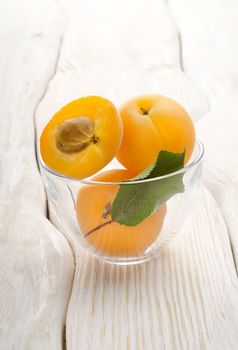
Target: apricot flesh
<point>82,137</point>
<point>113,239</point>
<point>152,123</point>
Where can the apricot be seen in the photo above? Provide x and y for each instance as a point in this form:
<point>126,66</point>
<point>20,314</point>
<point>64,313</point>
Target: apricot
<point>82,137</point>
<point>152,123</point>
<point>109,237</point>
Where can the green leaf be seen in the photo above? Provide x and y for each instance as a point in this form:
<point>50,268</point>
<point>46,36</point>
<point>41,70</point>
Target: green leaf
<point>166,163</point>
<point>135,202</point>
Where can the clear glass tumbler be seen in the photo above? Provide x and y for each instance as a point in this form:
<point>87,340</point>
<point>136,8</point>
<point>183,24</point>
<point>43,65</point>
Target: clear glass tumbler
<point>81,209</point>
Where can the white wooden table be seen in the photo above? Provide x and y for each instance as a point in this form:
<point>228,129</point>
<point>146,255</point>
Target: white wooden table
<point>55,51</point>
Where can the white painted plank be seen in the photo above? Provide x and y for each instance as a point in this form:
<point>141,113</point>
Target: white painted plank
<point>187,298</point>
<point>184,299</point>
<point>36,263</point>
<point>210,52</point>
<point>219,132</point>
<point>209,44</point>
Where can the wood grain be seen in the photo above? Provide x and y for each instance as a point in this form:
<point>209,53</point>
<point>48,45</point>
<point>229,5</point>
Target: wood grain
<point>208,31</point>
<point>184,299</point>
<point>210,50</point>
<point>36,263</point>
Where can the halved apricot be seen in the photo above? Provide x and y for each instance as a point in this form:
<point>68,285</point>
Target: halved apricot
<point>152,123</point>
<point>109,237</point>
<point>82,137</point>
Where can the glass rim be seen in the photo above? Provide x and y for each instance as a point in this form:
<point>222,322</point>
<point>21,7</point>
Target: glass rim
<point>188,167</point>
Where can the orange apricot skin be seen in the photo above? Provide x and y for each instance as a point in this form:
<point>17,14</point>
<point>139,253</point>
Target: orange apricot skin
<point>114,239</point>
<point>108,130</point>
<point>152,123</point>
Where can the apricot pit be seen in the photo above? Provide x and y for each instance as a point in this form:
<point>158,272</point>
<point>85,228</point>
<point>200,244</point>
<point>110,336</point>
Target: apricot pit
<point>75,134</point>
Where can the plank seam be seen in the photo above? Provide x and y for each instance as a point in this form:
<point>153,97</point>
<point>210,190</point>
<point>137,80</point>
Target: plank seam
<point>181,59</point>
<point>228,233</point>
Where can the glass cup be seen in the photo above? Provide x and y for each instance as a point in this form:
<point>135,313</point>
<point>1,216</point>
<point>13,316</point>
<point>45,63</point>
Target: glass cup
<point>81,209</point>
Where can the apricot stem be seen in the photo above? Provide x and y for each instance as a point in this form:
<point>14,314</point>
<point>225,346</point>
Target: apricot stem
<point>94,139</point>
<point>98,227</point>
<point>107,210</point>
<point>144,111</point>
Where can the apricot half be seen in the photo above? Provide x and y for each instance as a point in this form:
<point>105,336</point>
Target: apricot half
<point>152,123</point>
<point>106,236</point>
<point>82,137</point>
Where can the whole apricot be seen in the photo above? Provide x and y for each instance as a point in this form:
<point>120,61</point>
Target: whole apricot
<point>82,137</point>
<point>105,235</point>
<point>152,123</point>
